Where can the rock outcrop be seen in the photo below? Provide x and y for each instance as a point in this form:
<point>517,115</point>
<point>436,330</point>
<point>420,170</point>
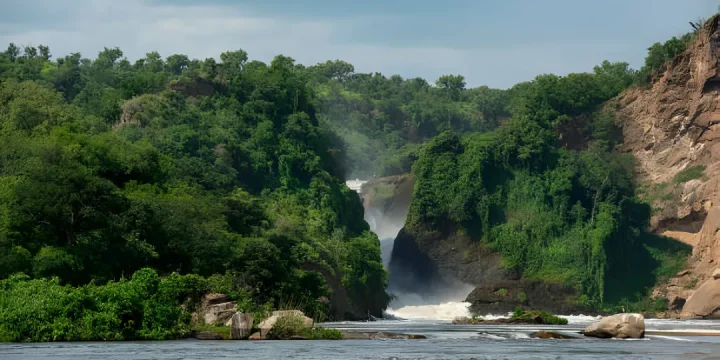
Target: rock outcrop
<point>621,326</point>
<point>705,301</point>
<point>215,309</point>
<point>672,128</point>
<point>553,335</point>
<point>240,326</point>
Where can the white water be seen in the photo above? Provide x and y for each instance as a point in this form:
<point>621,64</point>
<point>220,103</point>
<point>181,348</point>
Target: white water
<point>444,311</point>
<point>446,307</point>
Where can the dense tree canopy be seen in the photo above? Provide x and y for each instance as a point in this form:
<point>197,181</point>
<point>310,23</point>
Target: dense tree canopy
<point>227,175</point>
<point>547,191</point>
<point>181,165</point>
<point>384,121</point>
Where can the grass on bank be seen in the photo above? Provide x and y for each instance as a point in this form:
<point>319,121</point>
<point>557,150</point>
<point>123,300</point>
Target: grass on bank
<point>221,330</point>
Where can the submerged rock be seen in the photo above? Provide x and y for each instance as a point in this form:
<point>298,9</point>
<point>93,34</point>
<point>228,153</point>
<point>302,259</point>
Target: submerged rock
<point>353,335</point>
<point>621,326</point>
<point>552,335</point>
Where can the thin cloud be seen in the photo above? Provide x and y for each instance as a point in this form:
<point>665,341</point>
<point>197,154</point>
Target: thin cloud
<point>208,29</point>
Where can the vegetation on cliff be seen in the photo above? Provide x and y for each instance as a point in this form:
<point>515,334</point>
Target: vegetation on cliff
<point>180,165</point>
<point>548,192</point>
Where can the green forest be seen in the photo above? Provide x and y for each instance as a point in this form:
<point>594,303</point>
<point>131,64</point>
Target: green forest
<point>129,189</point>
<point>179,166</point>
<point>548,191</point>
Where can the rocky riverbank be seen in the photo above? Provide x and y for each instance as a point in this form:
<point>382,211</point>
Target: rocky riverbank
<point>218,319</point>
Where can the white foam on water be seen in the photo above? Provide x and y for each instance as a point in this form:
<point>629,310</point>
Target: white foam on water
<point>491,336</point>
<point>496,316</point>
<point>671,338</point>
<point>580,319</point>
<point>519,335</point>
<point>445,311</point>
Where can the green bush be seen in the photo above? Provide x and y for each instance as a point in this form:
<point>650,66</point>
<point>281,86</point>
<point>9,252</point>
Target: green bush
<point>293,325</point>
<point>320,333</point>
<point>547,318</point>
<point>287,326</point>
<point>144,307</point>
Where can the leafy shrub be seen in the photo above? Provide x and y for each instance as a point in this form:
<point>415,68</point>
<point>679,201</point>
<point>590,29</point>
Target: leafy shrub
<point>143,307</point>
<point>502,292</point>
<point>321,333</point>
<point>547,318</point>
<point>287,326</point>
<point>293,325</point>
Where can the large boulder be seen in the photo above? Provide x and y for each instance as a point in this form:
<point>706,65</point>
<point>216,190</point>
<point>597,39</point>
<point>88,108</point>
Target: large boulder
<point>268,323</point>
<point>621,326</point>
<point>240,326</point>
<point>704,302</point>
<point>215,309</point>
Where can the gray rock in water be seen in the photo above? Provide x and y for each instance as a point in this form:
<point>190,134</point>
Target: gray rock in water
<point>621,326</point>
<point>240,326</point>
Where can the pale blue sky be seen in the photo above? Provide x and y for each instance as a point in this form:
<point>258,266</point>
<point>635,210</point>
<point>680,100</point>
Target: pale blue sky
<point>494,43</point>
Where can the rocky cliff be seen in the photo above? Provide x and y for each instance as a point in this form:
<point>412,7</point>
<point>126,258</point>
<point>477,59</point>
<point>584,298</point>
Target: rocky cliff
<point>671,128</point>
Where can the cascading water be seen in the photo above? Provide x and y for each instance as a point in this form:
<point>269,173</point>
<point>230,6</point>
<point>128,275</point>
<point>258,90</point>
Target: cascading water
<point>445,303</point>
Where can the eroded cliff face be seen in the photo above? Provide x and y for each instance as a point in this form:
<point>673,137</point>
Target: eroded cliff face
<point>673,130</point>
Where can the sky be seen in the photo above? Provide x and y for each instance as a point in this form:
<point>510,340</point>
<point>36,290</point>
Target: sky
<point>490,42</point>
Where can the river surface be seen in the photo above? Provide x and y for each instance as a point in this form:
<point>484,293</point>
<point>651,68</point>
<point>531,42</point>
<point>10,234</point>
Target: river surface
<point>445,341</point>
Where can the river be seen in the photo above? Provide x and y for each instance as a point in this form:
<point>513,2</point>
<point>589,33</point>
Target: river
<point>445,341</point>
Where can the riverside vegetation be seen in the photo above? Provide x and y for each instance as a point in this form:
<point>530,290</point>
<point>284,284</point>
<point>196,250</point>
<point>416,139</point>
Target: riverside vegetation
<point>128,190</point>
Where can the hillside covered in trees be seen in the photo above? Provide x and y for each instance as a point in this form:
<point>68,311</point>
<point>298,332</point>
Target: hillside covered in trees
<point>550,193</point>
<point>183,166</point>
<point>129,189</point>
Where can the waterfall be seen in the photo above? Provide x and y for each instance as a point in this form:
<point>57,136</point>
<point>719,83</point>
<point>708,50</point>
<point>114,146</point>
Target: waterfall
<point>443,305</point>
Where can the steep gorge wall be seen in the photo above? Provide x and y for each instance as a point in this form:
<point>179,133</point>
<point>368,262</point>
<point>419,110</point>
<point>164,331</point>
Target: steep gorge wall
<point>673,130</point>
